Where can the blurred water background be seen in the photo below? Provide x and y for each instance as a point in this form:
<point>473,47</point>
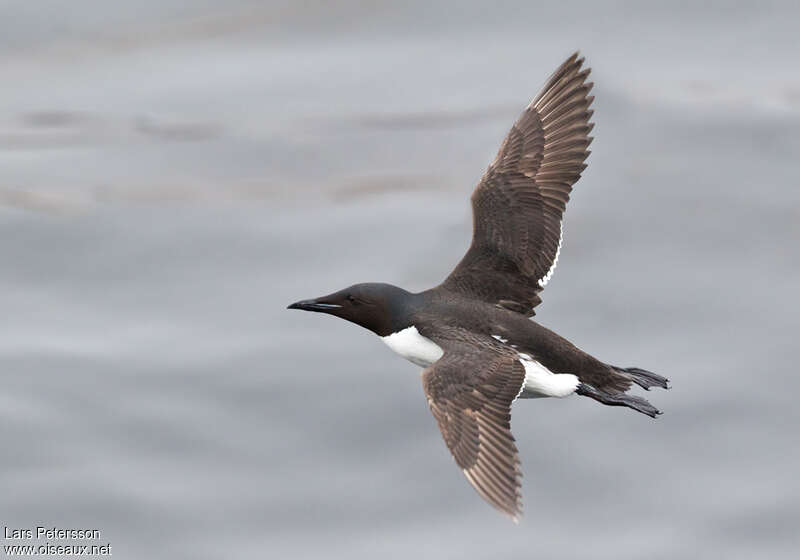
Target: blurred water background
<point>174,173</point>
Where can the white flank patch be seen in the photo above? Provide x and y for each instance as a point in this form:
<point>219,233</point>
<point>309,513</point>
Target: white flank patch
<point>546,278</point>
<point>500,338</point>
<point>541,382</point>
<point>413,346</point>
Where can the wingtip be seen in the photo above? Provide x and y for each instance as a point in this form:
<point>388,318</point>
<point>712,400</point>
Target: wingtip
<point>574,60</point>
<point>579,60</point>
<point>515,514</point>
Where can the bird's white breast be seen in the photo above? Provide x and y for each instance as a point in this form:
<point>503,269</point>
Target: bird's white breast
<point>413,346</point>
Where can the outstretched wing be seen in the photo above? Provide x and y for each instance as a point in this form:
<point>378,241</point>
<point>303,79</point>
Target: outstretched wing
<point>519,203</point>
<point>470,390</point>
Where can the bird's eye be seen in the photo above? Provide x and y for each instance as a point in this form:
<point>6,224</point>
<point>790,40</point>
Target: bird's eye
<point>351,298</point>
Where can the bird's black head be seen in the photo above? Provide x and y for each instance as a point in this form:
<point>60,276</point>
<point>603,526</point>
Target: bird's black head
<point>381,308</point>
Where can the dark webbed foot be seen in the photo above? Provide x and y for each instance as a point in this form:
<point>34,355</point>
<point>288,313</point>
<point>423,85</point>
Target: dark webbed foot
<point>643,378</point>
<point>618,399</point>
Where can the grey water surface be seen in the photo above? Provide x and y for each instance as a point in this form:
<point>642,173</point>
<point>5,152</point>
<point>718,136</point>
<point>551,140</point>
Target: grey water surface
<point>174,173</point>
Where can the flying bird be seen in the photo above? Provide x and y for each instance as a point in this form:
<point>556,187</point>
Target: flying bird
<point>473,333</point>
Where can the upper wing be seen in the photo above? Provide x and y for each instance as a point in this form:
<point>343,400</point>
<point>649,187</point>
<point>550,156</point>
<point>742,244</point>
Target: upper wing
<point>470,391</point>
<point>518,205</point>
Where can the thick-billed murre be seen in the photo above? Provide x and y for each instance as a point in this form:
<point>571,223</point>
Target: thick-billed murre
<point>473,333</point>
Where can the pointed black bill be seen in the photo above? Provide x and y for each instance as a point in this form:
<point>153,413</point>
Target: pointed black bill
<point>313,305</point>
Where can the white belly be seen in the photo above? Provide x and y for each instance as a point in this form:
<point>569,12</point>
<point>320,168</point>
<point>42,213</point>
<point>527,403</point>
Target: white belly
<point>541,382</point>
<point>413,346</point>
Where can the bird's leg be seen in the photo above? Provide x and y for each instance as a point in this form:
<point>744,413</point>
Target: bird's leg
<point>643,378</point>
<point>618,399</point>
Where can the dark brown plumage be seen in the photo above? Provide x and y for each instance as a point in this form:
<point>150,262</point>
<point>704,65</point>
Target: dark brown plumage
<point>473,410</point>
<point>519,203</point>
<point>473,332</point>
